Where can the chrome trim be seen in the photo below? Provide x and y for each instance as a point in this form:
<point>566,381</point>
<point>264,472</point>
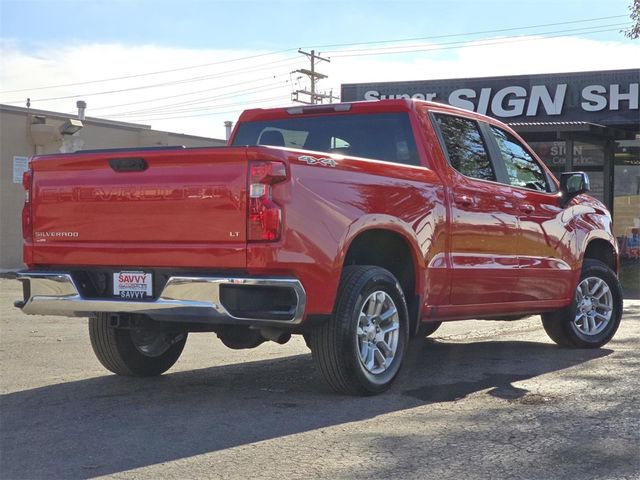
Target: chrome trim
<point>183,298</point>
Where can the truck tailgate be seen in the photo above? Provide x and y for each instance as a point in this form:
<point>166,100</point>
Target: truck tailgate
<point>181,207</point>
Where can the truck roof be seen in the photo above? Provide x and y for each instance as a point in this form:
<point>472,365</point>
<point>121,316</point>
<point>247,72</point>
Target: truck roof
<point>366,106</point>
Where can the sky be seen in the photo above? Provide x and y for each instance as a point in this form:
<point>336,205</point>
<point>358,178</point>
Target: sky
<point>190,65</point>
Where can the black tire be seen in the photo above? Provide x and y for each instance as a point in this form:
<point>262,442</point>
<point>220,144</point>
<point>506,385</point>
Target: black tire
<point>335,344</point>
<point>118,353</point>
<point>560,325</point>
<point>429,328</point>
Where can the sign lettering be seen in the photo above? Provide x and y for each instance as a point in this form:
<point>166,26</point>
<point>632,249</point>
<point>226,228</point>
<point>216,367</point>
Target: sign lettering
<point>607,97</point>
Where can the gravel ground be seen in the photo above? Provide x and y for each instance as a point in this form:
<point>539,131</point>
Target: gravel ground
<point>479,400</point>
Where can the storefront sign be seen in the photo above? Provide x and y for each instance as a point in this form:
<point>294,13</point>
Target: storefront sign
<point>554,154</point>
<point>608,97</point>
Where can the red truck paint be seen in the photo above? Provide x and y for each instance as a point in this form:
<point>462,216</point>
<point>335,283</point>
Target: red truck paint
<point>479,248</point>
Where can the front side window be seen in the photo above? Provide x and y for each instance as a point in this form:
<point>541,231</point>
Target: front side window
<point>522,169</point>
<point>465,147</point>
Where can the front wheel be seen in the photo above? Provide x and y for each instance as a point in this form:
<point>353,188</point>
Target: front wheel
<point>137,352</point>
<point>594,315</point>
<point>360,349</point>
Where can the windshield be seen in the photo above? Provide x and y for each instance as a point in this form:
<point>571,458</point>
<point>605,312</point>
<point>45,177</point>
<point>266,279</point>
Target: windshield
<point>385,136</point>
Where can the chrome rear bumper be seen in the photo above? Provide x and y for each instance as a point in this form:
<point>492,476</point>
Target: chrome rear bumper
<point>183,298</point>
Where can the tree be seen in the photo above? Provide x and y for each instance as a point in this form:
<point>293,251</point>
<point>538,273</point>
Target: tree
<point>634,30</point>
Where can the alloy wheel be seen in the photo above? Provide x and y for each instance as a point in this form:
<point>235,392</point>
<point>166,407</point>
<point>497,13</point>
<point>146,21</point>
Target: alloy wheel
<point>594,306</point>
<point>378,332</point>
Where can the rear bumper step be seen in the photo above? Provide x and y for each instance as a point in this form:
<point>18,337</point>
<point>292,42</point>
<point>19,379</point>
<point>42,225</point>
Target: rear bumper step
<point>183,298</point>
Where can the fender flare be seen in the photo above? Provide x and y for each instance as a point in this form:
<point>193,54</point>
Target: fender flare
<point>391,224</point>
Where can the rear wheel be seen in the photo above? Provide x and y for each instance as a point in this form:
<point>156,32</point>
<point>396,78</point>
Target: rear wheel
<point>140,352</point>
<point>594,315</point>
<point>360,349</point>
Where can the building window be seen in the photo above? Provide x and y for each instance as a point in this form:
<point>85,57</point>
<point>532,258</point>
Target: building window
<point>626,213</point>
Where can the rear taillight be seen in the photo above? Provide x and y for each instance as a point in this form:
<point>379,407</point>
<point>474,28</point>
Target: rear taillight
<point>27,224</point>
<point>264,215</point>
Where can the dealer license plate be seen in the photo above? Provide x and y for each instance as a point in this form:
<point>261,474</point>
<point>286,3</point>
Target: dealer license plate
<point>133,285</point>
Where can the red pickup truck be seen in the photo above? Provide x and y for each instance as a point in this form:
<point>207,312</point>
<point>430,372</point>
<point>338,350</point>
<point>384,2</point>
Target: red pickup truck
<point>357,225</point>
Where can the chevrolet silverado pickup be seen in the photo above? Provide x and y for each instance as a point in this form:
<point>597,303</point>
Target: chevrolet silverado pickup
<point>357,225</point>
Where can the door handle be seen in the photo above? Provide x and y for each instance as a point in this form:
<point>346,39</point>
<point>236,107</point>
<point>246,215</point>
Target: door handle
<point>464,200</point>
<point>526,208</point>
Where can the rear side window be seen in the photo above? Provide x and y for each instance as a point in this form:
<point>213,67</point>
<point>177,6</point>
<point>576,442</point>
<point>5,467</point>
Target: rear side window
<point>466,150</point>
<point>386,136</point>
<point>522,169</point>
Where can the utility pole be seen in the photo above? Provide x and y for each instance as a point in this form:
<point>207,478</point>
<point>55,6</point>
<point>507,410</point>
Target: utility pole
<point>314,76</point>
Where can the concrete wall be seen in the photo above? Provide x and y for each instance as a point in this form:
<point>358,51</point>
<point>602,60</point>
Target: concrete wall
<point>13,142</point>
<point>19,137</point>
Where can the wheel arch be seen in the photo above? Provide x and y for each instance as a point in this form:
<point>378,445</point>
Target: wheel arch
<point>602,249</point>
<point>391,248</point>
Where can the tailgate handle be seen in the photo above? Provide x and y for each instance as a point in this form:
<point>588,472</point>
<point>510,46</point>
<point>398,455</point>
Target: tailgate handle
<point>128,164</point>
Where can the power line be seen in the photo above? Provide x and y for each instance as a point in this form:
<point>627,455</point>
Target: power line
<point>287,61</point>
<point>161,115</point>
<point>482,32</point>
<point>157,99</point>
<point>275,53</point>
<point>210,114</point>
<point>348,53</point>
<point>456,45</point>
<point>181,107</point>
<point>259,89</point>
<point>149,73</point>
<point>462,42</point>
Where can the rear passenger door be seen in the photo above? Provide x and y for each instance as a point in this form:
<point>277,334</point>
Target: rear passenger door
<point>484,230</point>
<point>542,253</point>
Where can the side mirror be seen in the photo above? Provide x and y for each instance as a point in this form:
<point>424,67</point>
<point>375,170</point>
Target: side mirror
<point>572,184</point>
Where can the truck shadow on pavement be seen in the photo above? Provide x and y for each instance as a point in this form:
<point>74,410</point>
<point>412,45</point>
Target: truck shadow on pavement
<point>111,424</point>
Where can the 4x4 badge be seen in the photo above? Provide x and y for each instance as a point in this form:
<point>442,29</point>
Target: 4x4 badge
<point>326,162</point>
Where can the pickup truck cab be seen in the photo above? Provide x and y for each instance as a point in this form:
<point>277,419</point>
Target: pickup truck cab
<point>358,225</point>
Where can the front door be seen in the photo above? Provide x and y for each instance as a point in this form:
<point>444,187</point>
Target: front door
<point>543,246</point>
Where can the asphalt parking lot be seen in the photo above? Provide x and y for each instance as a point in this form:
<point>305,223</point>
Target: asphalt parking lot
<point>478,400</point>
